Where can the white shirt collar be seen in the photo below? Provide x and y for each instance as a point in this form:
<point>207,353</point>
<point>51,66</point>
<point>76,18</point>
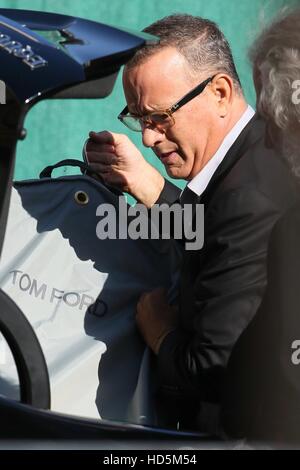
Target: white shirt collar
<point>199,183</point>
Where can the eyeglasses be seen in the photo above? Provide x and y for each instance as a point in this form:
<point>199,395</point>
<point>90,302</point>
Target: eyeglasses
<point>160,120</point>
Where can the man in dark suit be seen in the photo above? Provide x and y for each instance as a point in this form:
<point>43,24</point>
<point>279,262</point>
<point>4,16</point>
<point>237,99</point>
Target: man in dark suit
<point>185,97</point>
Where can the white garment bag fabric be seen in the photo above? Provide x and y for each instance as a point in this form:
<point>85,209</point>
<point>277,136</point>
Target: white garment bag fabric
<point>80,293</point>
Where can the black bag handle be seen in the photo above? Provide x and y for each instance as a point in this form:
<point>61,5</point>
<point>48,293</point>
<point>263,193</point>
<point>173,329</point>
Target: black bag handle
<point>85,169</point>
<point>47,172</point>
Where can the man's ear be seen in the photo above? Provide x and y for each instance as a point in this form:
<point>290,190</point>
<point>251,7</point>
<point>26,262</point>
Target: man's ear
<point>222,88</point>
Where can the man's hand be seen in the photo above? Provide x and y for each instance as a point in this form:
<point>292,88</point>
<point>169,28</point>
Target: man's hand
<point>155,318</point>
<point>119,163</point>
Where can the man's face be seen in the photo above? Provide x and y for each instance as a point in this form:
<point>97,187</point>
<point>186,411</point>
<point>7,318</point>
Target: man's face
<point>156,85</point>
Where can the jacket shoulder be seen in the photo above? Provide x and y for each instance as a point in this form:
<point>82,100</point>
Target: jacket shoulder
<point>263,170</point>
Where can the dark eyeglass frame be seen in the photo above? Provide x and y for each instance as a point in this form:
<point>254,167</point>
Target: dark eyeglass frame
<point>146,119</point>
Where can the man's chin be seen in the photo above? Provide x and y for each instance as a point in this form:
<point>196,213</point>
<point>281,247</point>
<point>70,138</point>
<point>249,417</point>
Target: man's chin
<point>174,172</point>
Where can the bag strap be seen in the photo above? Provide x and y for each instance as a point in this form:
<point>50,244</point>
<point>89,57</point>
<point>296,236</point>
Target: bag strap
<point>47,172</point>
<point>85,169</point>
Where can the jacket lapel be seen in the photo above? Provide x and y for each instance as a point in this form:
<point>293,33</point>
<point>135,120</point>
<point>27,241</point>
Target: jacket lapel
<point>254,130</point>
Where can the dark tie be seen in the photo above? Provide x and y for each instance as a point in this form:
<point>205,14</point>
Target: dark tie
<point>188,197</point>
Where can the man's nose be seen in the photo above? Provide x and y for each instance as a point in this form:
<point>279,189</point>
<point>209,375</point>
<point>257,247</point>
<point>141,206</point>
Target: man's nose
<point>151,137</point>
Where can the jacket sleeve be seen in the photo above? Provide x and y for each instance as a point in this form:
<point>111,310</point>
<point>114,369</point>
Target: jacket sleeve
<point>228,277</point>
<point>170,194</point>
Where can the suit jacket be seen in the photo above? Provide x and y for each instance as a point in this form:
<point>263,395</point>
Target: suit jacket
<point>262,393</point>
<point>222,284</point>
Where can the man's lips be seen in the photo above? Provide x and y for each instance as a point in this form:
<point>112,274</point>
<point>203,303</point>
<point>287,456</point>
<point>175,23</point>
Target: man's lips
<point>167,157</point>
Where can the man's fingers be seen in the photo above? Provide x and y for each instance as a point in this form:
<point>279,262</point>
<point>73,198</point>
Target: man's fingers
<point>141,303</point>
<point>144,296</point>
<point>160,291</point>
<point>104,137</point>
<point>94,147</point>
<point>104,158</point>
<point>100,168</point>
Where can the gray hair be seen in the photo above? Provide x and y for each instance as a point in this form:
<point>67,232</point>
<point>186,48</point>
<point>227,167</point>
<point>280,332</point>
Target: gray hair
<point>276,56</point>
<point>199,40</point>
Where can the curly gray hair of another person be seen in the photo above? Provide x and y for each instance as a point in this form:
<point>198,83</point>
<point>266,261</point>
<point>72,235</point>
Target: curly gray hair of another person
<point>276,56</point>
